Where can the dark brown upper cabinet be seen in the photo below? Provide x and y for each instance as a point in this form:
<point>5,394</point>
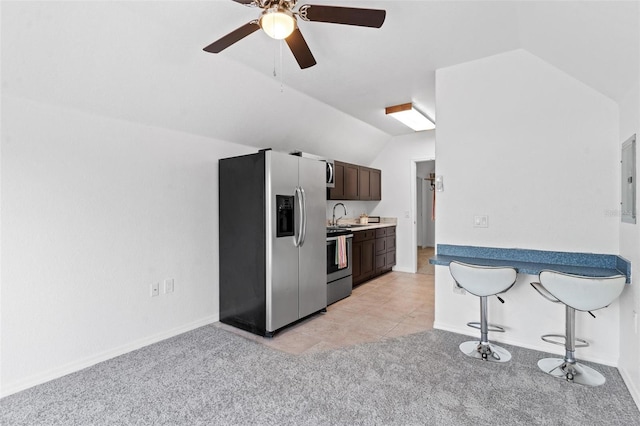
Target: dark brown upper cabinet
<point>369,182</point>
<point>346,182</point>
<point>364,183</point>
<point>353,182</point>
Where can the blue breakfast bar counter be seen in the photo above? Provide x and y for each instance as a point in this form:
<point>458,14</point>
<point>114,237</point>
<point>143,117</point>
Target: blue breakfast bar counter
<point>525,314</point>
<point>531,262</point>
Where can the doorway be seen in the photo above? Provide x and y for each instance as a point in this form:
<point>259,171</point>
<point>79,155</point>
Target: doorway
<point>425,216</point>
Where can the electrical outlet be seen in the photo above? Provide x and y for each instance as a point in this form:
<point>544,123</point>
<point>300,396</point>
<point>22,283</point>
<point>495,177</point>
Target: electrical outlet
<point>168,285</point>
<point>155,289</point>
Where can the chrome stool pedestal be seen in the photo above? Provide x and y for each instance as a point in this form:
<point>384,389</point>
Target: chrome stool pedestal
<point>568,368</point>
<point>483,349</point>
<point>574,372</point>
<point>582,293</point>
<point>483,281</point>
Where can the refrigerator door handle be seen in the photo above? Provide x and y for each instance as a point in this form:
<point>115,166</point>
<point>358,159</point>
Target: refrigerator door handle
<point>297,239</point>
<point>303,233</point>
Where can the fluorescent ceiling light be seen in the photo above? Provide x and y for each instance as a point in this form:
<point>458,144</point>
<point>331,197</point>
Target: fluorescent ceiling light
<point>277,22</point>
<point>411,117</point>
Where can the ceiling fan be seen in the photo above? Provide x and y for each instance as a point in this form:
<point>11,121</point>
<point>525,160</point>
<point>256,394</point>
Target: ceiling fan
<point>279,21</point>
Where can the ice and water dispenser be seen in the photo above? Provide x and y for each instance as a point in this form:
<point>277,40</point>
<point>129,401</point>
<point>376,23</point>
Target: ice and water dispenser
<point>285,223</point>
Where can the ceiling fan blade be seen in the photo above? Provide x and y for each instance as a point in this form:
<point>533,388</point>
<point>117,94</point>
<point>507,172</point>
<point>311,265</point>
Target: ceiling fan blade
<point>373,18</point>
<point>233,37</point>
<point>300,49</point>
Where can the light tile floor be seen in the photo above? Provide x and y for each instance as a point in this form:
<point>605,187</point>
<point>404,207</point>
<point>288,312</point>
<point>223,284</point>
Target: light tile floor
<point>394,304</point>
<point>424,267</point>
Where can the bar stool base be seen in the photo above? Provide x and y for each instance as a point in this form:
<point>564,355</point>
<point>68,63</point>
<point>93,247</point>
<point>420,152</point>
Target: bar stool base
<point>485,351</point>
<point>571,372</point>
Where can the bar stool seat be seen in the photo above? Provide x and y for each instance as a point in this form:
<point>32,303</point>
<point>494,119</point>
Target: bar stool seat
<point>484,281</point>
<point>580,293</point>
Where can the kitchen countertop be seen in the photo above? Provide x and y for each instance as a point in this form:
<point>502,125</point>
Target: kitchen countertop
<point>353,226</point>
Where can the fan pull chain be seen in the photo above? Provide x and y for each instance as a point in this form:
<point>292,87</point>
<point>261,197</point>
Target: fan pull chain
<point>275,73</point>
<point>281,78</point>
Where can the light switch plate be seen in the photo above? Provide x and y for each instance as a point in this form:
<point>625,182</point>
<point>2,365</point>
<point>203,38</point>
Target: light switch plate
<point>168,285</point>
<point>481,221</point>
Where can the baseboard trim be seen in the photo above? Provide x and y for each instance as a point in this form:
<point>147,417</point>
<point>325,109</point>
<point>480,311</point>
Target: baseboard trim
<point>401,269</point>
<point>631,385</point>
<point>527,345</point>
<point>72,367</point>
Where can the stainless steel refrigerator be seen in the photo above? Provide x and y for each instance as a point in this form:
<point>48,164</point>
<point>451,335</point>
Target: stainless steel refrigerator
<point>272,240</point>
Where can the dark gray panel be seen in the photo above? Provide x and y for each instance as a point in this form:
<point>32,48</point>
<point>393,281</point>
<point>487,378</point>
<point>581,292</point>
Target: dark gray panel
<point>242,242</point>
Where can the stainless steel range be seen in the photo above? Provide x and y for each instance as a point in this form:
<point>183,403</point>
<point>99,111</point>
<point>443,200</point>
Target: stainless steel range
<point>339,282</point>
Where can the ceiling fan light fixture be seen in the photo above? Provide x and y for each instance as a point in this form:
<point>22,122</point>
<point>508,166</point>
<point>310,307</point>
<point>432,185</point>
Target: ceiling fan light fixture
<point>278,22</point>
<point>411,117</point>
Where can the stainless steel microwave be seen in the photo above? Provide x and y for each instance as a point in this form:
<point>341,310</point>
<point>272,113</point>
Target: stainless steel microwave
<point>331,176</point>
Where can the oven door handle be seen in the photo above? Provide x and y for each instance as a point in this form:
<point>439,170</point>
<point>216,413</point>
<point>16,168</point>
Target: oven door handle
<point>335,238</point>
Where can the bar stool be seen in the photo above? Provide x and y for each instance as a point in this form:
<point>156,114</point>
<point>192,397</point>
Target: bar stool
<point>576,293</point>
<point>484,281</point>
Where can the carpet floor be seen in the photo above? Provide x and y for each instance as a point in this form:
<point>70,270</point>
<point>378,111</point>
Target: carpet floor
<point>210,376</point>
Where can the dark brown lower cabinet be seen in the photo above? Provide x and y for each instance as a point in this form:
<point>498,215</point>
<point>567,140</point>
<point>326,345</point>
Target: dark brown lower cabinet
<point>374,253</point>
<point>363,252</point>
<point>356,256</point>
<point>385,249</point>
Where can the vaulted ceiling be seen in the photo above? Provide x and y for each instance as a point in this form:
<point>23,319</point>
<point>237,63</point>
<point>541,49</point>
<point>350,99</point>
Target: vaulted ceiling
<point>143,61</point>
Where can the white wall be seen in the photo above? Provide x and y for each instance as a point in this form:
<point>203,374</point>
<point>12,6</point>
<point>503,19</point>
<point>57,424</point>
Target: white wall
<point>629,364</point>
<point>354,209</point>
<point>538,152</point>
<point>94,211</point>
<point>398,186</point>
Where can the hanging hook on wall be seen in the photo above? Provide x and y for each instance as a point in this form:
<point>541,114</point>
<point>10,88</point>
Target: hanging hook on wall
<point>431,179</point>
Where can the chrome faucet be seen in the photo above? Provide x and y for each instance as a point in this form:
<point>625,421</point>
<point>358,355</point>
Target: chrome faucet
<point>335,221</point>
